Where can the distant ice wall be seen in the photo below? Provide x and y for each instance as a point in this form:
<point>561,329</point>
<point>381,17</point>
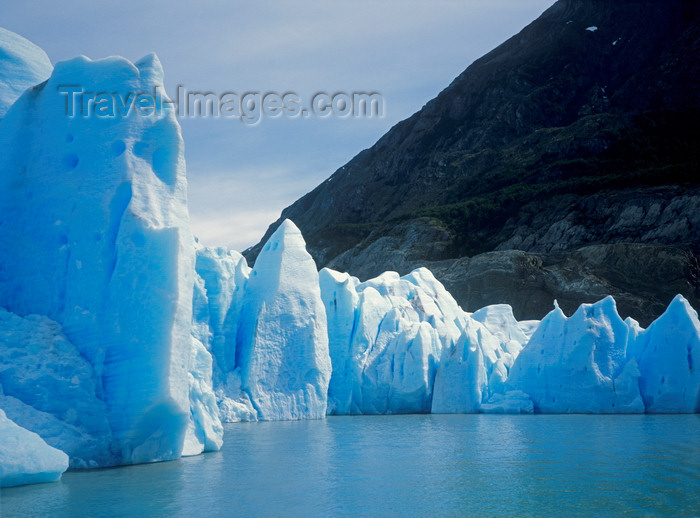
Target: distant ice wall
<point>579,364</point>
<point>668,355</point>
<point>403,345</point>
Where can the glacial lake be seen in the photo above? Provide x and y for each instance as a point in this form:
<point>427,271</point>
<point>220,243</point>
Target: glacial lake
<point>416,465</point>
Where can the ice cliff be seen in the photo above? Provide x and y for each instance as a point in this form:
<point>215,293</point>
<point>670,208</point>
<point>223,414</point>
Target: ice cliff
<point>594,362</point>
<point>386,337</point>
<point>282,339</point>
<point>266,329</point>
<point>403,345</point>
<point>579,364</point>
<point>122,340</point>
<point>95,237</point>
<point>668,356</point>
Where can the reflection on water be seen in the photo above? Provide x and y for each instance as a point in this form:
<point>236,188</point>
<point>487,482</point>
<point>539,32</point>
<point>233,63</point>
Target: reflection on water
<point>469,465</point>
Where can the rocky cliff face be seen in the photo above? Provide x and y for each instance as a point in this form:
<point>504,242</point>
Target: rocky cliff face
<point>567,155</point>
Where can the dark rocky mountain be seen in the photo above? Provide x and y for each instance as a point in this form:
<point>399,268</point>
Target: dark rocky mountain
<point>563,164</point>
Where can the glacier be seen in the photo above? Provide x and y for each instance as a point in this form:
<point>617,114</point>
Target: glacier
<point>220,279</point>
<point>461,379</point>
<point>341,301</point>
<point>124,340</point>
<point>99,283</point>
<point>266,329</point>
<point>386,337</point>
<point>579,364</point>
<point>476,368</point>
<point>668,358</point>
<point>282,338</point>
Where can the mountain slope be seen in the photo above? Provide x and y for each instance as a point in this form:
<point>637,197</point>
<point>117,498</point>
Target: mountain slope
<point>578,131</point>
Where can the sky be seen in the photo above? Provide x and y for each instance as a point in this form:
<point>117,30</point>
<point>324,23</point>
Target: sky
<point>241,176</point>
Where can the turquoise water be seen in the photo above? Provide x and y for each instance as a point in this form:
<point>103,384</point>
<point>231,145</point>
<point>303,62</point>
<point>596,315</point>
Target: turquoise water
<point>465,465</point>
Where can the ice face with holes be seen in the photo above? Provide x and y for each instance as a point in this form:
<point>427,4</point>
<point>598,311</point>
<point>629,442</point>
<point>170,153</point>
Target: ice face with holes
<point>25,458</point>
<point>668,354</point>
<point>22,65</point>
<point>579,364</point>
<point>94,211</point>
<point>284,362</point>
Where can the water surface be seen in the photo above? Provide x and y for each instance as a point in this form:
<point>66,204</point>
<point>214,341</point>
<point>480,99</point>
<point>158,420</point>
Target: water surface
<point>430,465</point>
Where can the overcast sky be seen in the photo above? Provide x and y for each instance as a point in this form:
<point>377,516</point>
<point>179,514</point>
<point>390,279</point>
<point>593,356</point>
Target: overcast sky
<point>242,176</point>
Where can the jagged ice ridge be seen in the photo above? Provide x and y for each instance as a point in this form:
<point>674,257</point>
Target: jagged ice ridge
<point>122,340</point>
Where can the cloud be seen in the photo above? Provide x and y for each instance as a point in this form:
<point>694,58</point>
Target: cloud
<point>229,208</point>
